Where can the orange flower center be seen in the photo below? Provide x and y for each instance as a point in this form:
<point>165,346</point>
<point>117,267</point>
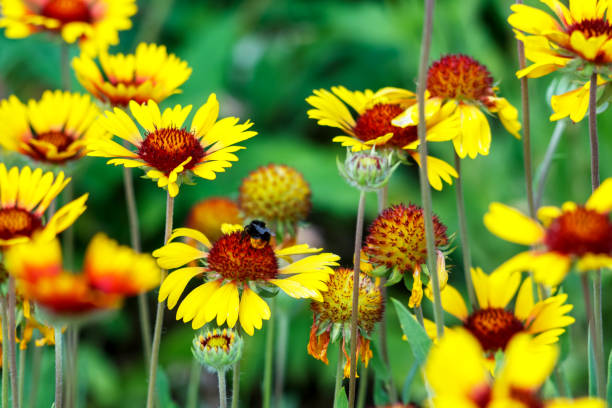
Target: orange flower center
<point>164,149</point>
<point>376,122</point>
<point>67,11</point>
<point>459,77</point>
<point>579,232</point>
<point>493,327</point>
<point>234,257</point>
<point>59,139</point>
<point>15,222</point>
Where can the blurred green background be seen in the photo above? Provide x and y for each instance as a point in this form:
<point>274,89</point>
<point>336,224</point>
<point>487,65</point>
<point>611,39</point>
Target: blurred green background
<point>263,58</point>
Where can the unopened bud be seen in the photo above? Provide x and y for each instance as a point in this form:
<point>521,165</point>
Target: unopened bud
<point>217,349</point>
<point>368,170</point>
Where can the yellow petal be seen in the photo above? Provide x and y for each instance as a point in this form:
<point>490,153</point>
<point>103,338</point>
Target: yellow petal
<point>547,214</point>
<point>252,310</point>
<point>601,199</point>
<point>511,225</point>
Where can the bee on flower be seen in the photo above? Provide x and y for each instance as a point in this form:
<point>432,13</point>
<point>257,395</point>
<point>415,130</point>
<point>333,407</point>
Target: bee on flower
<point>234,269</point>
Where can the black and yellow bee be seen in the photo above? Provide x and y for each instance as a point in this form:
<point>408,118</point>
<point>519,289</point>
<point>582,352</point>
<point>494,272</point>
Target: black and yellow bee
<point>258,232</point>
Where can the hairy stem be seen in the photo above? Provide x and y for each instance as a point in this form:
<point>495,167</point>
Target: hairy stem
<point>339,373</point>
<point>222,389</point>
<point>236,384</point>
<point>21,371</point>
<point>58,367</point>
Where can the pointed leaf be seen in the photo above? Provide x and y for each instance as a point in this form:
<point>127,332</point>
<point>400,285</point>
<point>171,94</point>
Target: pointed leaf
<point>415,333</point>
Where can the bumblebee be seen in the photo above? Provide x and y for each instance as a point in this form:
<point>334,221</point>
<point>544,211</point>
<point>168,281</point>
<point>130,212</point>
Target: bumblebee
<point>259,234</point>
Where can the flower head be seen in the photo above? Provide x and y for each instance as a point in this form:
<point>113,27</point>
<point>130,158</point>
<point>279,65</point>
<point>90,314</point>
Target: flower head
<point>581,233</point>
<point>94,23</point>
<point>468,84</point>
<point>217,349</point>
<point>277,194</point>
<point>55,129</point>
<point>210,214</point>
<point>168,152</point>
<point>368,170</point>
<point>332,315</point>
<point>526,366</point>
<point>374,127</point>
<point>237,266</point>
<point>148,74</point>
<point>24,197</point>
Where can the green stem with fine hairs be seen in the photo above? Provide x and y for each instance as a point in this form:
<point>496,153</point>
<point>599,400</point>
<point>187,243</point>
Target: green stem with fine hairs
<point>339,373</point>
<point>59,372</point>
<point>222,389</point>
<point>236,378</point>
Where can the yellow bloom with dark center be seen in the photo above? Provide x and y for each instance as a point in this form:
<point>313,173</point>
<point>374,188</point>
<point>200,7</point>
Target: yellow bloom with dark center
<point>25,195</point>
<point>210,214</point>
<point>493,324</point>
<point>55,129</point>
<point>148,74</point>
<point>469,86</point>
<point>373,127</point>
<point>458,375</point>
<point>93,23</point>
<point>277,194</point>
<point>332,316</point>
<point>168,152</point>
<point>234,268</point>
<point>572,233</point>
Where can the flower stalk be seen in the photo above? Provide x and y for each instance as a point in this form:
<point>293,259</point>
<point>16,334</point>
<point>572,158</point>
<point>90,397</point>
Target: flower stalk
<point>11,342</point>
<point>542,173</point>
<point>5,362</point>
<point>339,373</point>
<point>59,383</point>
<point>236,384</point>
<point>599,374</point>
<point>222,389</point>
<point>194,384</point>
<point>269,356</point>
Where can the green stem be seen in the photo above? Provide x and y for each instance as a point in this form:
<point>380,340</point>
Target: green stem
<point>363,388</point>
<point>12,348</point>
<point>355,305</point>
<point>21,371</point>
<point>5,359</point>
<point>35,377</point>
<point>425,188</point>
<point>599,373</point>
<point>74,366</point>
<point>236,384</point>
<point>383,198</point>
<point>222,390</point>
<point>599,339</point>
<point>159,318</point>
<point>65,65</point>
<point>418,311</point>
<point>543,170</point>
<point>463,236</point>
<point>593,132</point>
<point>281,354</point>
<point>339,373</point>
<point>58,368</point>
<point>194,384</point>
<point>269,357</point>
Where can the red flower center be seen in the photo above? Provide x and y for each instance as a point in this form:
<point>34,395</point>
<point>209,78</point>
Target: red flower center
<point>67,11</point>
<point>164,149</point>
<point>234,257</point>
<point>591,27</point>
<point>15,222</point>
<point>528,398</point>
<point>493,327</point>
<point>579,232</point>
<point>376,122</point>
<point>216,340</point>
<point>481,395</point>
<point>459,77</point>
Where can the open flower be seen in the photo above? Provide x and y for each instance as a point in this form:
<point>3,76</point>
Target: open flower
<point>93,23</point>
<point>373,125</point>
<point>168,152</point>
<point>493,324</point>
<point>148,74</point>
<point>54,130</point>
<point>237,266</point>
<point>458,374</point>
<point>581,233</point>
<point>332,316</point>
<point>24,197</point>
<point>468,84</point>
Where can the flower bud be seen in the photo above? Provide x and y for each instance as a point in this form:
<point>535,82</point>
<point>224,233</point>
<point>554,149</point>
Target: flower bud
<point>368,170</point>
<point>217,349</point>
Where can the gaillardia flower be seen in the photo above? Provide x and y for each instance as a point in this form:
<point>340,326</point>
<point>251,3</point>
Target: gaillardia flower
<point>93,23</point>
<point>234,268</point>
<point>207,216</point>
<point>581,233</point>
<point>526,366</point>
<point>168,152</point>
<point>148,74</point>
<point>396,240</point>
<point>467,83</point>
<point>54,130</point>
<point>24,197</point>
<point>373,126</point>
<point>277,194</point>
<point>332,316</point>
<point>493,324</point>
<point>110,272</point>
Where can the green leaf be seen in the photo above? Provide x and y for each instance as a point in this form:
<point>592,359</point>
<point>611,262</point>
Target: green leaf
<point>565,342</point>
<point>379,366</point>
<point>592,367</point>
<point>380,393</point>
<point>408,382</point>
<point>609,385</point>
<point>415,333</point>
<point>163,389</point>
<point>341,399</point>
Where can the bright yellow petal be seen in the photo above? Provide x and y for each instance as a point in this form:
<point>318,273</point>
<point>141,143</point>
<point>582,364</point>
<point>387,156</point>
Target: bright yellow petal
<point>196,300</point>
<point>601,199</point>
<point>175,254</point>
<point>252,310</point>
<point>173,286</point>
<point>547,214</point>
<point>550,268</point>
<point>190,233</point>
<point>511,225</point>
<point>593,262</point>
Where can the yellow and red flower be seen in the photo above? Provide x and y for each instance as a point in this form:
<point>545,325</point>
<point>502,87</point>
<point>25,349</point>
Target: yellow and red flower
<point>573,233</point>
<point>55,129</point>
<point>93,23</point>
<point>24,197</point>
<point>237,266</point>
<point>210,214</point>
<point>332,316</point>
<point>373,126</point>
<point>168,152</point>
<point>462,82</point>
<point>148,74</point>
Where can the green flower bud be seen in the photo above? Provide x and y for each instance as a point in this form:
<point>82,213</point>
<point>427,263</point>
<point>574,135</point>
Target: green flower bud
<point>368,170</point>
<point>218,350</point>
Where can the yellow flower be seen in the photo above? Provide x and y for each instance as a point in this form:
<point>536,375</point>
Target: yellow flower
<point>54,130</point>
<point>373,126</point>
<point>458,375</point>
<point>148,74</point>
<point>581,233</point>
<point>207,216</point>
<point>493,325</point>
<point>465,84</point>
<point>94,23</point>
<point>332,316</point>
<point>168,152</point>
<point>234,267</point>
<point>24,197</point>
<point>574,103</point>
